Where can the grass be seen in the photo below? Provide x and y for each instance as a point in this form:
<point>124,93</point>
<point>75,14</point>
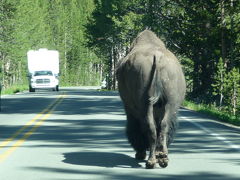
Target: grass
<point>14,89</point>
<point>213,112</point>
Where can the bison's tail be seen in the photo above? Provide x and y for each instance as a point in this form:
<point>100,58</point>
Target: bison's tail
<point>154,91</point>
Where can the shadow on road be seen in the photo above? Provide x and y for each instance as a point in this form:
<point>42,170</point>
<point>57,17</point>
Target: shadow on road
<point>102,159</point>
<point>80,123</point>
<point>140,174</point>
<point>30,103</point>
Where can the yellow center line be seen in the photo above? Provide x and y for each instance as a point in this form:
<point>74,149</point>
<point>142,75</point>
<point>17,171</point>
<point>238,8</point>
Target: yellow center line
<point>4,143</point>
<point>41,117</point>
<point>28,124</point>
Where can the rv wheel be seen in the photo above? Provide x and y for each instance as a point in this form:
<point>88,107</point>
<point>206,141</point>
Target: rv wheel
<point>31,89</point>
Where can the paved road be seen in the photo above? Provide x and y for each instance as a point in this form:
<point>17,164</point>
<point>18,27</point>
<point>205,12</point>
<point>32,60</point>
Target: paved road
<point>78,133</point>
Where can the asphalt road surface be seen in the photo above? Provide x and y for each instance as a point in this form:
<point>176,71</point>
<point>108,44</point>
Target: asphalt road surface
<point>79,133</point>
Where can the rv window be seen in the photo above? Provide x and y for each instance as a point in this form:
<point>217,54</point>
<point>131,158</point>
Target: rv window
<point>43,73</point>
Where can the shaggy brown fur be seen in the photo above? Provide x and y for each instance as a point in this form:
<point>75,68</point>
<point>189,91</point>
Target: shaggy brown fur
<point>152,87</point>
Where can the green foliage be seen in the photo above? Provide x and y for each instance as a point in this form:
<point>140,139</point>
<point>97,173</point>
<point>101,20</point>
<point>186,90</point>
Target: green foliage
<point>15,89</point>
<point>92,35</point>
<point>122,21</point>
<point>212,111</point>
<point>227,88</point>
<point>204,34</point>
<point>187,65</point>
<point>220,80</point>
<point>56,24</point>
<point>232,91</point>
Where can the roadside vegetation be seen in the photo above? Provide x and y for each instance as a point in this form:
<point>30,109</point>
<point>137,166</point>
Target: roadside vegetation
<point>213,112</point>
<point>14,89</point>
<point>92,35</point>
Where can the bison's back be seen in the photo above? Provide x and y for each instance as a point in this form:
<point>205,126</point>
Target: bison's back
<point>134,76</point>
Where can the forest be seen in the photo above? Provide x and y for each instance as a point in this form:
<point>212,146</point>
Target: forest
<point>92,35</point>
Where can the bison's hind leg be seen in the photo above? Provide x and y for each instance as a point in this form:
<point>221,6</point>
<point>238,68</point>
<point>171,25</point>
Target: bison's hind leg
<point>140,155</point>
<point>162,159</point>
<point>136,138</point>
<point>166,134</point>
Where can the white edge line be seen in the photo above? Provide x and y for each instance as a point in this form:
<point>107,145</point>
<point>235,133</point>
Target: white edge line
<point>219,137</point>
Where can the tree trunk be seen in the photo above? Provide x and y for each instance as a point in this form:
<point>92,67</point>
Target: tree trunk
<point>234,99</point>
<point>223,32</point>
<point>221,91</point>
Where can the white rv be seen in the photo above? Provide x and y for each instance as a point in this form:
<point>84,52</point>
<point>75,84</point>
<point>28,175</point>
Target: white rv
<point>43,69</point>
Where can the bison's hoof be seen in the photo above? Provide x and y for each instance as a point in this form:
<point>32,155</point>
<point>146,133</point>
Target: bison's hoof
<point>163,162</point>
<point>140,155</point>
<point>160,155</point>
<point>162,159</point>
<point>150,164</point>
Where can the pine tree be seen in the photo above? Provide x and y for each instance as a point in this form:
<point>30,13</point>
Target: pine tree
<point>220,80</point>
<point>232,91</point>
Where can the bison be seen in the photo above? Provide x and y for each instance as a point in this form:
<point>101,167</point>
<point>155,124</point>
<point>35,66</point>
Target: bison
<point>152,87</point>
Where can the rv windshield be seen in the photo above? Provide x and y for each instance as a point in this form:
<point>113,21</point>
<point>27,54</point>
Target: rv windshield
<point>43,73</point>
